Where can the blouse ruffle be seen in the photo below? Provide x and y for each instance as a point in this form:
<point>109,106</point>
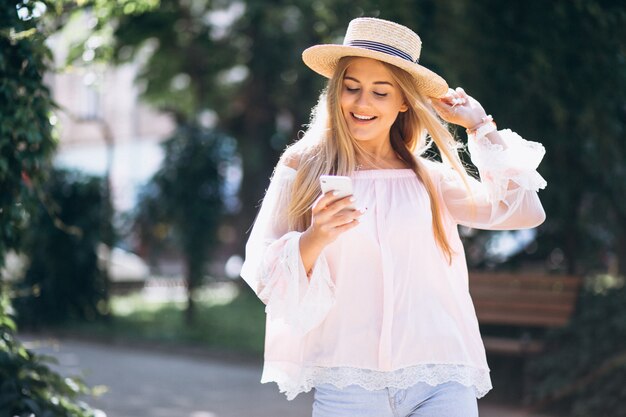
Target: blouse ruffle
<point>286,290</point>
<point>505,198</point>
<point>273,266</point>
<point>498,166</point>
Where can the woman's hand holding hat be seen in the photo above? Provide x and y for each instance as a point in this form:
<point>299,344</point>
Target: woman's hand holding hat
<point>459,108</point>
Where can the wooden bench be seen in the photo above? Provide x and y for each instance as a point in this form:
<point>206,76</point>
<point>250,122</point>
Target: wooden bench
<point>531,303</point>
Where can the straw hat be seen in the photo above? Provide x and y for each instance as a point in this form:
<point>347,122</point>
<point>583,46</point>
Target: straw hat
<point>382,40</point>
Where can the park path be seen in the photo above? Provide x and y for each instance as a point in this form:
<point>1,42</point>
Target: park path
<point>152,383</point>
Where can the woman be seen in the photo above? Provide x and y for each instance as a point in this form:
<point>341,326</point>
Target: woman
<point>371,305</point>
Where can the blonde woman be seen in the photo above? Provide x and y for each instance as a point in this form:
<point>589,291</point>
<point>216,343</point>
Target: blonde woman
<point>367,296</point>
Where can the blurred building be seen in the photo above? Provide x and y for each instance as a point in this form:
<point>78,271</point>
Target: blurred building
<point>99,105</point>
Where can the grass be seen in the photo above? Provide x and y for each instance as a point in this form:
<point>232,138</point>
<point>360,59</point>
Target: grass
<point>227,319</point>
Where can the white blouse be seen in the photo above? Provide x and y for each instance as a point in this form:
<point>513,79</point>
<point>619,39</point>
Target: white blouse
<point>384,307</point>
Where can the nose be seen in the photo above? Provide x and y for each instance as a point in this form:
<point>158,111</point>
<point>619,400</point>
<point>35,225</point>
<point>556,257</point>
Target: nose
<point>362,99</point>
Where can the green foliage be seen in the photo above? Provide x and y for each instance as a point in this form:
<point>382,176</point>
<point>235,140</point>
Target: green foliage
<point>26,140</point>
<point>237,62</point>
<point>584,370</point>
<point>191,181</point>
<point>28,386</point>
<point>554,72</point>
<point>187,194</point>
<point>61,244</point>
<point>543,70</point>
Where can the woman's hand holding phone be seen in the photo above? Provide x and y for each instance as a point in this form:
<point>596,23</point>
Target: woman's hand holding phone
<point>332,215</point>
<point>334,212</point>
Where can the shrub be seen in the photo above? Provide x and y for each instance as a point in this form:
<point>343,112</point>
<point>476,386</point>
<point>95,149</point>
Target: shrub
<point>28,386</point>
<point>187,196</point>
<point>63,279</point>
<point>584,370</point>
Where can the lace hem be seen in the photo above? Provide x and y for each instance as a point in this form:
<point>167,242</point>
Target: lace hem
<point>432,374</point>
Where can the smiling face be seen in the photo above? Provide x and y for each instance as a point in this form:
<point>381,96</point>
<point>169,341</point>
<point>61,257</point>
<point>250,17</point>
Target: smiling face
<point>370,100</point>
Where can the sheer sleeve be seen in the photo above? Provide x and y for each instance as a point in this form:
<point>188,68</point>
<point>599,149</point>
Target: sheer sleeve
<point>506,197</point>
<point>273,267</point>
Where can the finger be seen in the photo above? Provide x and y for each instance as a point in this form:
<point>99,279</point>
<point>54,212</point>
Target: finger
<point>449,96</point>
<point>444,110</point>
<point>330,213</point>
<point>441,105</point>
<point>317,204</point>
<point>340,204</point>
<point>324,201</point>
<point>462,93</point>
<point>344,228</point>
<point>343,217</point>
<point>458,98</point>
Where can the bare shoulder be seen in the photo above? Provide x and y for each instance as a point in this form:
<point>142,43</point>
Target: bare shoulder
<point>440,171</point>
<point>437,170</point>
<point>432,166</point>
<point>292,159</point>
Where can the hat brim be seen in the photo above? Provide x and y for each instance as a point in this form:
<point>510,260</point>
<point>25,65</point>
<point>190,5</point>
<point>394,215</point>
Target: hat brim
<point>323,59</point>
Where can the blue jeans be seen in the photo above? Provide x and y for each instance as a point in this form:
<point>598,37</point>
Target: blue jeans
<point>421,400</point>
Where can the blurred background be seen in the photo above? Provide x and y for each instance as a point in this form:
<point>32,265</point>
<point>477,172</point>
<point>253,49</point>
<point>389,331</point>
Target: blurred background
<point>137,138</point>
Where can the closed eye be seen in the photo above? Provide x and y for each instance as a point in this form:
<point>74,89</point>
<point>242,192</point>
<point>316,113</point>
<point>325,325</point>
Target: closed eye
<point>354,90</point>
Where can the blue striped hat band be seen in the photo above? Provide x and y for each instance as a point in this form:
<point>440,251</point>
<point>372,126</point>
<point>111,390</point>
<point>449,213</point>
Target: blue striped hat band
<point>381,47</point>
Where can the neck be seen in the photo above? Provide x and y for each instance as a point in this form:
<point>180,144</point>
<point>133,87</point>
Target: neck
<point>378,150</point>
<point>377,155</point>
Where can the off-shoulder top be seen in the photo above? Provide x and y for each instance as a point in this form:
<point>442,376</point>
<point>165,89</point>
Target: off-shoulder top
<point>383,307</point>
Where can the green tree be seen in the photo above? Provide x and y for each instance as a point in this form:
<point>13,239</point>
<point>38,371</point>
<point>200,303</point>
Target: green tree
<point>554,72</point>
<point>584,370</point>
<point>236,63</point>
<point>230,66</point>
<point>28,386</point>
<point>26,140</point>
<point>61,244</point>
<point>188,194</point>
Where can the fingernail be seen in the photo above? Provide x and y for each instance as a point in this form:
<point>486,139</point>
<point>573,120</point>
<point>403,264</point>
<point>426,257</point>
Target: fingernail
<point>352,199</point>
<point>335,193</point>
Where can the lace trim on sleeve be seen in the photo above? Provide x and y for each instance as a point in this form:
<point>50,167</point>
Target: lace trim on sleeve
<point>288,293</point>
<point>517,163</point>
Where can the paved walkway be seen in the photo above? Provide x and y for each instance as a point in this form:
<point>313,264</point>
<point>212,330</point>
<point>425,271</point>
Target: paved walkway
<point>149,383</point>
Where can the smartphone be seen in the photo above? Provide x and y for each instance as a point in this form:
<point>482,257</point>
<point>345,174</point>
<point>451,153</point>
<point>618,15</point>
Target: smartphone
<point>342,185</point>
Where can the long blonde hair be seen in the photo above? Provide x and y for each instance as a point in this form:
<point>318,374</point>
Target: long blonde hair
<point>328,148</point>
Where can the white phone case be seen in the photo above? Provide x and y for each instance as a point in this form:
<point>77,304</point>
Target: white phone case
<point>342,185</point>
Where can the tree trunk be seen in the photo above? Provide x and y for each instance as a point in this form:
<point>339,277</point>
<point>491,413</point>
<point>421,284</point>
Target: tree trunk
<point>571,244</point>
<point>108,209</point>
<point>620,251</point>
<point>193,280</point>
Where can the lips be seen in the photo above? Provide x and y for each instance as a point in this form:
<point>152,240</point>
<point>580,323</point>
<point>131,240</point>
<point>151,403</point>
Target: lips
<point>362,117</point>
